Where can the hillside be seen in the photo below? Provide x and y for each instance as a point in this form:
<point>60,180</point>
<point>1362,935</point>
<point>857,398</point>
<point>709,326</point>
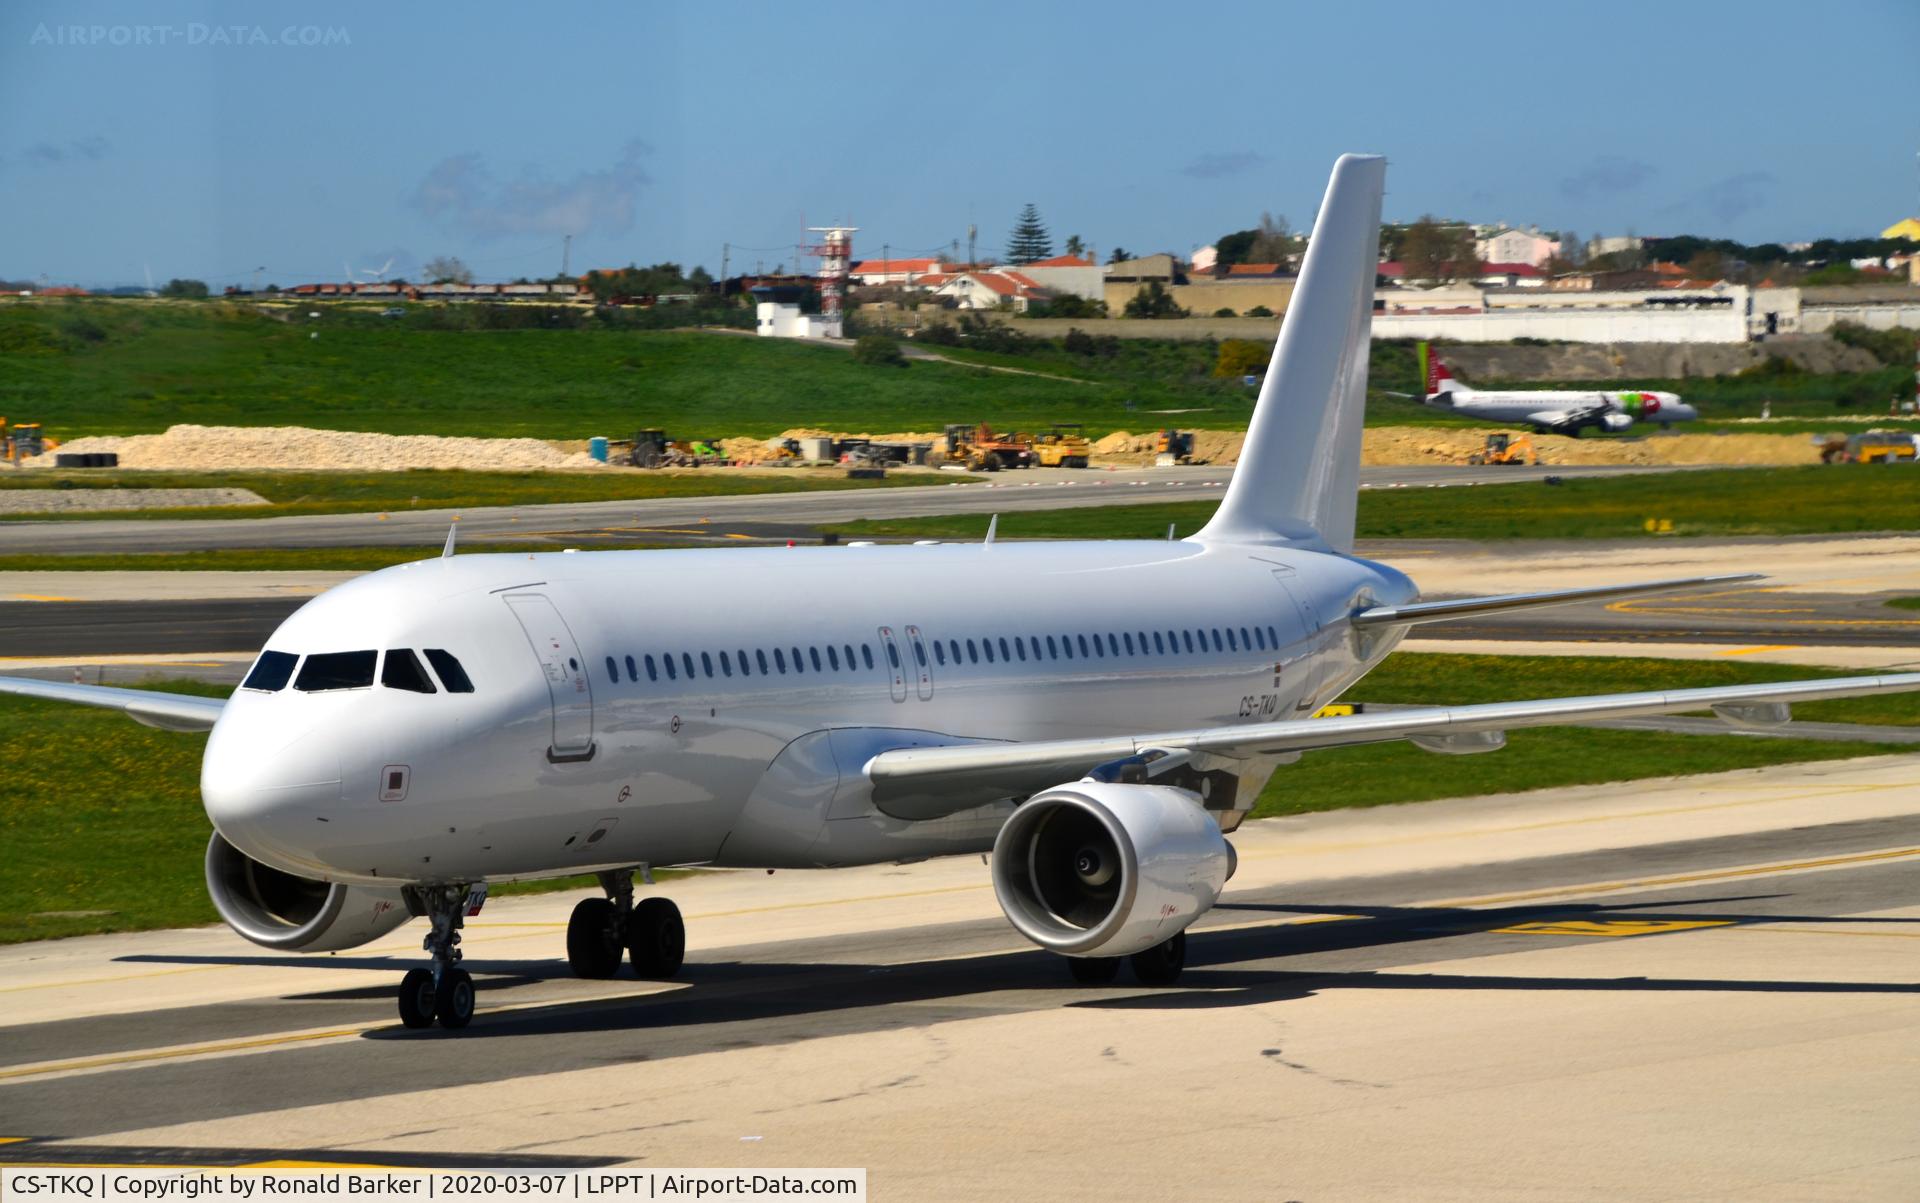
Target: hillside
<point>130,367</point>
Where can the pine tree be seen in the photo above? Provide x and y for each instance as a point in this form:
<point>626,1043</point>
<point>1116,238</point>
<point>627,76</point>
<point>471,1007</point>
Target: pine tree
<point>1030,240</point>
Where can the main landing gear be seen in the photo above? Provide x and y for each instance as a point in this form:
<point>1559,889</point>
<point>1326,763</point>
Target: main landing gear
<point>603,930</point>
<point>444,992</point>
<point>1157,966</point>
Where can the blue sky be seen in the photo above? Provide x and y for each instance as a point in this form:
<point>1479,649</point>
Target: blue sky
<point>184,139</point>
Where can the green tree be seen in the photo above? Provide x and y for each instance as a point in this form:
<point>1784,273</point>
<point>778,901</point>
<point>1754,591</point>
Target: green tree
<point>1075,247</point>
<point>1153,301</point>
<point>1068,304</point>
<point>1030,240</point>
<point>1119,254</point>
<point>1435,250</point>
<point>190,290</point>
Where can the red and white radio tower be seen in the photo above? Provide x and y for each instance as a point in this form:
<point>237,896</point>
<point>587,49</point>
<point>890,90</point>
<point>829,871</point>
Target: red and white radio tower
<point>836,260</point>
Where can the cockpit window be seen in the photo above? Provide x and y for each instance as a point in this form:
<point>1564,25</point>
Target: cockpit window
<point>271,671</point>
<point>402,670</point>
<point>336,670</point>
<point>451,674</point>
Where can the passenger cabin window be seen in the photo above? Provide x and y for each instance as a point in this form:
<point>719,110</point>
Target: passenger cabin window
<point>653,674</point>
<point>761,656</point>
<point>613,671</point>
<point>451,674</point>
<point>866,653</point>
<point>668,661</point>
<point>633,673</point>
<point>403,670</point>
<point>336,670</point>
<point>271,672</point>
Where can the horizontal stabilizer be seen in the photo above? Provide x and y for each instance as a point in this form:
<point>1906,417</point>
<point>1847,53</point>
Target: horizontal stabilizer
<point>168,711</point>
<point>1474,607</point>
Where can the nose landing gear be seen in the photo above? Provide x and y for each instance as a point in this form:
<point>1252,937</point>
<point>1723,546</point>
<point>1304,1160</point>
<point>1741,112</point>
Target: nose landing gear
<point>444,992</point>
<point>600,930</point>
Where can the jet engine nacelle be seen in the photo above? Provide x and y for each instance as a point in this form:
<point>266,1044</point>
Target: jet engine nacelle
<point>1100,869</point>
<point>1616,421</point>
<point>295,914</point>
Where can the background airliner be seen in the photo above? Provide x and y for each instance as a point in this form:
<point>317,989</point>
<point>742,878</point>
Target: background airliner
<point>1563,411</point>
<point>1101,715</point>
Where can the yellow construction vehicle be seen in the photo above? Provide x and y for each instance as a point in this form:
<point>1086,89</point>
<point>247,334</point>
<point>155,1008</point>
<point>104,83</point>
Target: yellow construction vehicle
<point>1506,447</point>
<point>23,440</point>
<point>1065,446</point>
<point>1873,447</point>
<point>1172,447</point>
<point>981,450</point>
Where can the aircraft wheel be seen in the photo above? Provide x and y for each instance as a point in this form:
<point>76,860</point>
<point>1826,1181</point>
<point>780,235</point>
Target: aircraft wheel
<point>593,941</point>
<point>454,1007</point>
<point>417,998</point>
<point>1161,964</point>
<point>656,938</point>
<point>1093,971</point>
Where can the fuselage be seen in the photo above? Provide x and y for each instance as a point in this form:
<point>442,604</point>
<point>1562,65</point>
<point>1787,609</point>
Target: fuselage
<point>1589,406</point>
<point>718,706</point>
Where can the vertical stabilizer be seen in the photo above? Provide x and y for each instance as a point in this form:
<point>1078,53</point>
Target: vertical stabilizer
<point>1438,377</point>
<point>1299,472</point>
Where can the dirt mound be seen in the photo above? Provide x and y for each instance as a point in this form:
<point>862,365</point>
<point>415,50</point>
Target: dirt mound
<point>1404,445</point>
<point>236,447</point>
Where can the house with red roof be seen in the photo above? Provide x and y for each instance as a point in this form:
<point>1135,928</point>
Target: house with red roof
<point>894,270</point>
<point>988,289</point>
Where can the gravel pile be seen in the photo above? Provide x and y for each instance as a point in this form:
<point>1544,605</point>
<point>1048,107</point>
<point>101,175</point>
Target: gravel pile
<point>72,501</point>
<point>241,447</point>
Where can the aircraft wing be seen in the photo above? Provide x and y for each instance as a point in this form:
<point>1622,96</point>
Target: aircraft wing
<point>168,711</point>
<point>928,782</point>
<point>1474,607</point>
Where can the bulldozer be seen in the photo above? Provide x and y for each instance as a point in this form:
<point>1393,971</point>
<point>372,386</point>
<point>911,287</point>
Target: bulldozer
<point>981,450</point>
<point>653,449</point>
<point>23,440</point>
<point>1172,447</point>
<point>1506,447</point>
<point>1065,446</point>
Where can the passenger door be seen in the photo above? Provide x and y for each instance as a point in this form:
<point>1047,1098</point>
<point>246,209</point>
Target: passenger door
<point>568,685</point>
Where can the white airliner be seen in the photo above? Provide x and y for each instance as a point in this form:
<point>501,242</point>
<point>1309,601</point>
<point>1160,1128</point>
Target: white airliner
<point>1550,411</point>
<point>1101,715</point>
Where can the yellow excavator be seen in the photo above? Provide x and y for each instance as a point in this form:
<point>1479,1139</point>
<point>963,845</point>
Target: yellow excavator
<point>1506,447</point>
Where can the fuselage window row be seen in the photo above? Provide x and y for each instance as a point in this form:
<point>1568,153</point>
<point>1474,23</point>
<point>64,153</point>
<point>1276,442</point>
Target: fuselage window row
<point>279,666</point>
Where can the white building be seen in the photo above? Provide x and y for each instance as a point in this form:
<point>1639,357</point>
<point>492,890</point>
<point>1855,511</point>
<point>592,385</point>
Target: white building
<point>1064,274</point>
<point>1527,246</point>
<point>987,290</point>
<point>890,270</point>
<point>777,315</point>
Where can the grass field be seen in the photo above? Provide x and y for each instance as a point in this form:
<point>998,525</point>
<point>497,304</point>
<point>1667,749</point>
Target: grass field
<point>90,366</point>
<point>1814,499</point>
<point>433,489</point>
<point>103,828</point>
<point>122,368</point>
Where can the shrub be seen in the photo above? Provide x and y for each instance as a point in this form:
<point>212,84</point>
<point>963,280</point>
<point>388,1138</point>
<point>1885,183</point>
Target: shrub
<point>879,350</point>
<point>1224,311</point>
<point>1259,311</point>
<point>1892,347</point>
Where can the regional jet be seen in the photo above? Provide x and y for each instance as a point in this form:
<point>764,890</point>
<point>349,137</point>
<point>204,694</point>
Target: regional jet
<point>1101,716</point>
<point>1565,411</point>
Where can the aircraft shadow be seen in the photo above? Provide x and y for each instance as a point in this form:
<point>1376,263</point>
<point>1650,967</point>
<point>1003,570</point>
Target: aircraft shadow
<point>755,998</point>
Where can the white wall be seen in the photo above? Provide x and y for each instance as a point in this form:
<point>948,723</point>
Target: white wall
<point>775,320</point>
<point>1087,282</point>
<point>1583,326</point>
<point>1818,319</point>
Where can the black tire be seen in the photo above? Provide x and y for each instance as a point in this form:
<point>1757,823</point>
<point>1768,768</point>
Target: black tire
<point>593,941</point>
<point>1161,964</point>
<point>417,998</point>
<point>454,1007</point>
<point>656,938</point>
<point>1094,971</point>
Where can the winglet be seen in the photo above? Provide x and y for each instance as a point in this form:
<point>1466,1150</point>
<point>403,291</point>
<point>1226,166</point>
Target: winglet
<point>447,551</point>
<point>993,525</point>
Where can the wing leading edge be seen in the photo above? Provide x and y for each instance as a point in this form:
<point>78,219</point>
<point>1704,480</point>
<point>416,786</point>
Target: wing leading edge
<point>168,711</point>
<point>1473,607</point>
<point>924,783</point>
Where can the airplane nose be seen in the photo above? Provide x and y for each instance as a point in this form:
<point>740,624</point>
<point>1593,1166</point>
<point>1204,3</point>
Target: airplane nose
<point>265,800</point>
